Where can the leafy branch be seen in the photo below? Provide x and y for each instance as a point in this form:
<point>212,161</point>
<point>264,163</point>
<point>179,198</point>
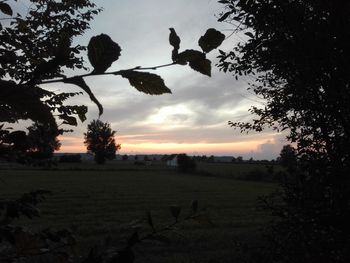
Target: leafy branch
<point>103,51</point>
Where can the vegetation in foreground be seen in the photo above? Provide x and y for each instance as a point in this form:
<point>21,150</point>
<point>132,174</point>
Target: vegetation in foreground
<point>96,204</point>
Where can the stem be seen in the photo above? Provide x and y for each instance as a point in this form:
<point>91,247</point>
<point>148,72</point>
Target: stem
<point>118,72</point>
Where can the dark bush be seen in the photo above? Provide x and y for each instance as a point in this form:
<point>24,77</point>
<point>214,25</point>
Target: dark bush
<point>70,158</point>
<point>185,163</point>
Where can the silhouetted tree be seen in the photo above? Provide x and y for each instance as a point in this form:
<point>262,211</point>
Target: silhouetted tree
<point>100,141</point>
<point>239,159</point>
<point>297,55</point>
<point>42,141</point>
<point>185,163</point>
<point>288,158</point>
<point>36,47</point>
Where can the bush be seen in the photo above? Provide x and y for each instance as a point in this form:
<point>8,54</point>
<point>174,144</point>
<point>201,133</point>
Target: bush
<point>185,163</point>
<point>70,158</point>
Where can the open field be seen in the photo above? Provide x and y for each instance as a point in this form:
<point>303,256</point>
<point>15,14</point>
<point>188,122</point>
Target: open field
<point>97,203</point>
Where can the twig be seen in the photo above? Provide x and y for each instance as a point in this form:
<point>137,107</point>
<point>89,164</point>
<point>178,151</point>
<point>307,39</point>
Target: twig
<point>118,72</point>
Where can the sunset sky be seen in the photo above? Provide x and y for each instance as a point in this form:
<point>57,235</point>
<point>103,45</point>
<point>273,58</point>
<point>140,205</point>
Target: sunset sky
<point>193,119</point>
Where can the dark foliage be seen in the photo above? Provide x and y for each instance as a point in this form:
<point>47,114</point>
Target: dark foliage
<point>185,164</point>
<point>36,48</point>
<point>70,158</point>
<point>42,141</point>
<point>288,158</point>
<point>298,54</point>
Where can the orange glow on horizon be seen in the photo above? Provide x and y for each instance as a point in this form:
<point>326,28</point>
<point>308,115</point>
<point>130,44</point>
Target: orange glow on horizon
<point>75,145</point>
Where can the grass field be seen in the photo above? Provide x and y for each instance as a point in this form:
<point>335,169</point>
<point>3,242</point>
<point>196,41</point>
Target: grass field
<point>97,203</point>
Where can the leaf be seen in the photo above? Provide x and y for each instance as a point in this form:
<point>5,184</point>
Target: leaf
<point>146,82</point>
<point>175,211</point>
<point>6,9</point>
<point>224,16</point>
<point>102,52</point>
<point>196,60</point>
<point>249,34</point>
<point>202,66</point>
<point>79,81</point>
<point>174,39</point>
<point>81,111</point>
<point>211,40</point>
<point>68,120</point>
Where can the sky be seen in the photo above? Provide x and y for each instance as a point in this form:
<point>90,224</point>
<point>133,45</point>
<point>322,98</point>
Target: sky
<point>194,118</point>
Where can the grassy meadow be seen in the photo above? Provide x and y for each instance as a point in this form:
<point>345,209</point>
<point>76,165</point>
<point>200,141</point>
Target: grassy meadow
<point>96,201</point>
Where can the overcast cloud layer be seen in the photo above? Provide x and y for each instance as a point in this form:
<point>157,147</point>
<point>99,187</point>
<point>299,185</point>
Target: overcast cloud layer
<point>199,107</point>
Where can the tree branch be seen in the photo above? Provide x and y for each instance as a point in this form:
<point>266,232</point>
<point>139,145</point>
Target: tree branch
<point>118,72</point>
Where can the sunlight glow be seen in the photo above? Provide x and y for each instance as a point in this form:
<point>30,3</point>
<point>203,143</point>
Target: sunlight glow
<point>168,114</point>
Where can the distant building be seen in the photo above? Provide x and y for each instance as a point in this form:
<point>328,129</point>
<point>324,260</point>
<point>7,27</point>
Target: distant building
<point>171,160</point>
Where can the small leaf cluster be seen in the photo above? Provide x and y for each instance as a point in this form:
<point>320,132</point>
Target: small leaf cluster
<point>196,59</point>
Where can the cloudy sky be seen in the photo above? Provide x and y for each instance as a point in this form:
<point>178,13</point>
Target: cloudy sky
<point>193,119</point>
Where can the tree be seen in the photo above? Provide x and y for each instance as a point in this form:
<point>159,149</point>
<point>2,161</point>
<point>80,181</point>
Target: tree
<point>36,48</point>
<point>100,141</point>
<point>288,158</point>
<point>297,54</point>
<point>185,163</point>
<point>42,141</point>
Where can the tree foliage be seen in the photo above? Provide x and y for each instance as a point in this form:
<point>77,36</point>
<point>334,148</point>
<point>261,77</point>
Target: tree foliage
<point>37,48</point>
<point>185,163</point>
<point>288,158</point>
<point>42,141</point>
<point>298,54</point>
<point>99,140</point>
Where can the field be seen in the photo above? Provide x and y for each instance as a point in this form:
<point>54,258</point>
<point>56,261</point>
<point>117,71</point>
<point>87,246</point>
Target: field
<point>96,203</point>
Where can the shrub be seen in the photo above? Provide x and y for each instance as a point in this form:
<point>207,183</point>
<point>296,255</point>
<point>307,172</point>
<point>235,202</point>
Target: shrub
<point>185,163</point>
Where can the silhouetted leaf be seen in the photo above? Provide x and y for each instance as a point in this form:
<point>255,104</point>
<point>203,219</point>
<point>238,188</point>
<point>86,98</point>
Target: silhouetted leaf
<point>146,82</point>
<point>68,120</point>
<point>174,39</point>
<point>6,9</point>
<point>102,52</point>
<point>202,66</point>
<point>79,81</point>
<point>211,40</point>
<point>224,16</point>
<point>175,211</point>
<point>196,60</point>
<point>249,34</point>
<point>81,111</point>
